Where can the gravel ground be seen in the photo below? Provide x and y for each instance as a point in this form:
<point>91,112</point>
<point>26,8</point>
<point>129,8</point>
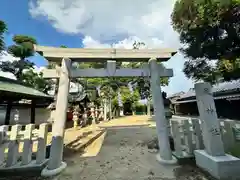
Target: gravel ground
<point>125,156</point>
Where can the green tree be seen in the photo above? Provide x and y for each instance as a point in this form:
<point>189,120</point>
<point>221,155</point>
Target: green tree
<point>22,49</point>
<point>23,68</point>
<point>36,80</point>
<point>143,84</point>
<point>209,31</point>
<point>3,29</point>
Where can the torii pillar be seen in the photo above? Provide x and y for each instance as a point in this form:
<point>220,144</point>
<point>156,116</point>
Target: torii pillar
<point>55,163</point>
<point>165,153</point>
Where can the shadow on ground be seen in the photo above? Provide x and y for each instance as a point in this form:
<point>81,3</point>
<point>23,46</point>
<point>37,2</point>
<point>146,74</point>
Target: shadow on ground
<point>78,146</point>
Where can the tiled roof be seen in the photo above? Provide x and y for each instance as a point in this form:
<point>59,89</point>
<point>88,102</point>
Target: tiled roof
<point>16,88</point>
<point>232,86</point>
<point>176,94</point>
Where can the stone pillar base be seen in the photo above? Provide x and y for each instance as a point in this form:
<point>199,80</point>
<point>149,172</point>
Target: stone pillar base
<point>173,161</point>
<point>48,173</point>
<point>220,167</point>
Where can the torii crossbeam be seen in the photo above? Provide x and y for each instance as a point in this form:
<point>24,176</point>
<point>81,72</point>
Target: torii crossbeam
<point>110,71</point>
<point>100,55</point>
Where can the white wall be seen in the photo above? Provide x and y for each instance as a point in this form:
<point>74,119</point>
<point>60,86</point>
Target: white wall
<point>41,115</point>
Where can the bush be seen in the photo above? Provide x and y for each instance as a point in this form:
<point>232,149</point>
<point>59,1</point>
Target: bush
<point>140,108</point>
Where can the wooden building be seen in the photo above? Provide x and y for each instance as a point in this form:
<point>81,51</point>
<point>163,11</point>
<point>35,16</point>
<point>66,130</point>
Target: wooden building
<point>14,96</point>
<point>226,96</point>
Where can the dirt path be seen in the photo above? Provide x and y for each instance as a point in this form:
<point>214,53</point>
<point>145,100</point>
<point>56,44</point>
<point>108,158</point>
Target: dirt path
<point>119,154</point>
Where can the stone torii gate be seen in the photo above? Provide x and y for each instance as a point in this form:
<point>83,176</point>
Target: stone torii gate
<point>66,56</point>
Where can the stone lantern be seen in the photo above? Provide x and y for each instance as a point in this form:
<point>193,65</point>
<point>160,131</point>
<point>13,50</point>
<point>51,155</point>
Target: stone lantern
<point>168,115</point>
<point>75,117</point>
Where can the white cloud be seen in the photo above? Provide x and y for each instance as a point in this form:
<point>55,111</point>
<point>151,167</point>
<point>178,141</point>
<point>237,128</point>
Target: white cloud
<point>110,20</point>
<point>4,57</point>
<point>119,23</point>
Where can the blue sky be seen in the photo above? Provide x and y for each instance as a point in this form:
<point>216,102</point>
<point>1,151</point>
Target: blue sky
<point>22,23</point>
<point>83,23</point>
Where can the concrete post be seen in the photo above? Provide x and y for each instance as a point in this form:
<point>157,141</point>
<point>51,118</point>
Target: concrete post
<point>213,159</point>
<point>55,164</point>
<point>211,125</point>
<point>165,155</point>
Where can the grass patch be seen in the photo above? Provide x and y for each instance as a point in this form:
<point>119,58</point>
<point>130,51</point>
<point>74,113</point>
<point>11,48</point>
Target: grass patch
<point>235,151</point>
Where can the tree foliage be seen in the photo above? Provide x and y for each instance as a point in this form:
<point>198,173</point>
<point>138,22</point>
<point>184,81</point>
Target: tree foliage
<point>3,29</point>
<point>22,49</point>
<point>23,68</point>
<point>36,80</point>
<point>209,31</point>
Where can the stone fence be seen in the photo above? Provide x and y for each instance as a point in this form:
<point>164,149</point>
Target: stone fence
<point>187,135</point>
<point>23,146</point>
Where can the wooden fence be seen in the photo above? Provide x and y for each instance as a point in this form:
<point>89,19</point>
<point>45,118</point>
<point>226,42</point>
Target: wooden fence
<point>187,135</point>
<point>23,146</point>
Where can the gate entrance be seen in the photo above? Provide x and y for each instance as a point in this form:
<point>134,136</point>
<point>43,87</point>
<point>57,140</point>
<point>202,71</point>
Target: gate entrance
<point>66,56</point>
